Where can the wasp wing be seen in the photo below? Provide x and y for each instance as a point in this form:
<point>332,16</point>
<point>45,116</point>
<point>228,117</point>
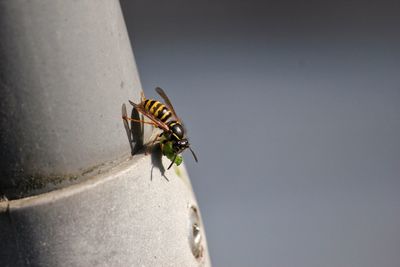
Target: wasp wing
<point>156,121</point>
<point>161,92</point>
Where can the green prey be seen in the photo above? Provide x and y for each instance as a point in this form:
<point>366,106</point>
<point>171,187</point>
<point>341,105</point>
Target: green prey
<point>168,150</point>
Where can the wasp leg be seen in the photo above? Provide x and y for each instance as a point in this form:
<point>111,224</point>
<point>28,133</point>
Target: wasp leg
<point>156,139</point>
<point>147,122</point>
<point>152,143</point>
<point>172,162</point>
<point>141,121</point>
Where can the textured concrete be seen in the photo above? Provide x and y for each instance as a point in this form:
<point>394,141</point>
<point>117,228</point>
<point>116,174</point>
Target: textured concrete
<point>129,216</point>
<point>66,67</point>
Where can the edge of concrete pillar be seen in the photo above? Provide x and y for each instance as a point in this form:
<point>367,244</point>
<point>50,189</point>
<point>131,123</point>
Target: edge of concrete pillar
<point>66,68</point>
<point>130,216</point>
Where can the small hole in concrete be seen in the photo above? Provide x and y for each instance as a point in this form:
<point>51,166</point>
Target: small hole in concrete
<point>195,233</point>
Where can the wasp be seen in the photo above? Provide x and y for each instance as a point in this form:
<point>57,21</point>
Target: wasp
<point>173,138</point>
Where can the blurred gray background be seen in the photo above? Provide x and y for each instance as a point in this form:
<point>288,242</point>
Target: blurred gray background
<point>293,109</point>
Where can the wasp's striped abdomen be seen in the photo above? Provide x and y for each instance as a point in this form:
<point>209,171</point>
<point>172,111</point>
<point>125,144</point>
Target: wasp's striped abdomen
<point>159,110</point>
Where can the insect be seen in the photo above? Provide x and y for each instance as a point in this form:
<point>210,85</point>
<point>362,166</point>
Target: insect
<point>173,139</point>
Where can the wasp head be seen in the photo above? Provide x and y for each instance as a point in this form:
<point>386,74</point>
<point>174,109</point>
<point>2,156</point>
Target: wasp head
<point>180,145</point>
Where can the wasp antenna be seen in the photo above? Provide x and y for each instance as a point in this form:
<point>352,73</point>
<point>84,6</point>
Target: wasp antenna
<point>194,155</point>
<point>170,165</point>
<point>133,104</point>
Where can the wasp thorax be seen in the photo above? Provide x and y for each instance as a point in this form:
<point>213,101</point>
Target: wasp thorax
<point>176,129</point>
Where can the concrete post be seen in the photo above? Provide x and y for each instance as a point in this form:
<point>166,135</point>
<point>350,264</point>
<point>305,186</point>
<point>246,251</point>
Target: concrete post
<point>71,194</point>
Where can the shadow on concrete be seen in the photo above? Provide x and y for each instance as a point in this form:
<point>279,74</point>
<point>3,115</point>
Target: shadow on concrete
<point>135,133</point>
<point>156,160</point>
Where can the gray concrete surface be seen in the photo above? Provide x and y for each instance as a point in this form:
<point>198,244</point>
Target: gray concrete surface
<point>70,194</point>
<point>129,216</point>
<point>66,67</point>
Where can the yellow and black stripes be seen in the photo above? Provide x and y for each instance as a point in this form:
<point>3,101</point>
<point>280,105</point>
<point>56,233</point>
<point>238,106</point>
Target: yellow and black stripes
<point>159,110</point>
<point>172,123</point>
